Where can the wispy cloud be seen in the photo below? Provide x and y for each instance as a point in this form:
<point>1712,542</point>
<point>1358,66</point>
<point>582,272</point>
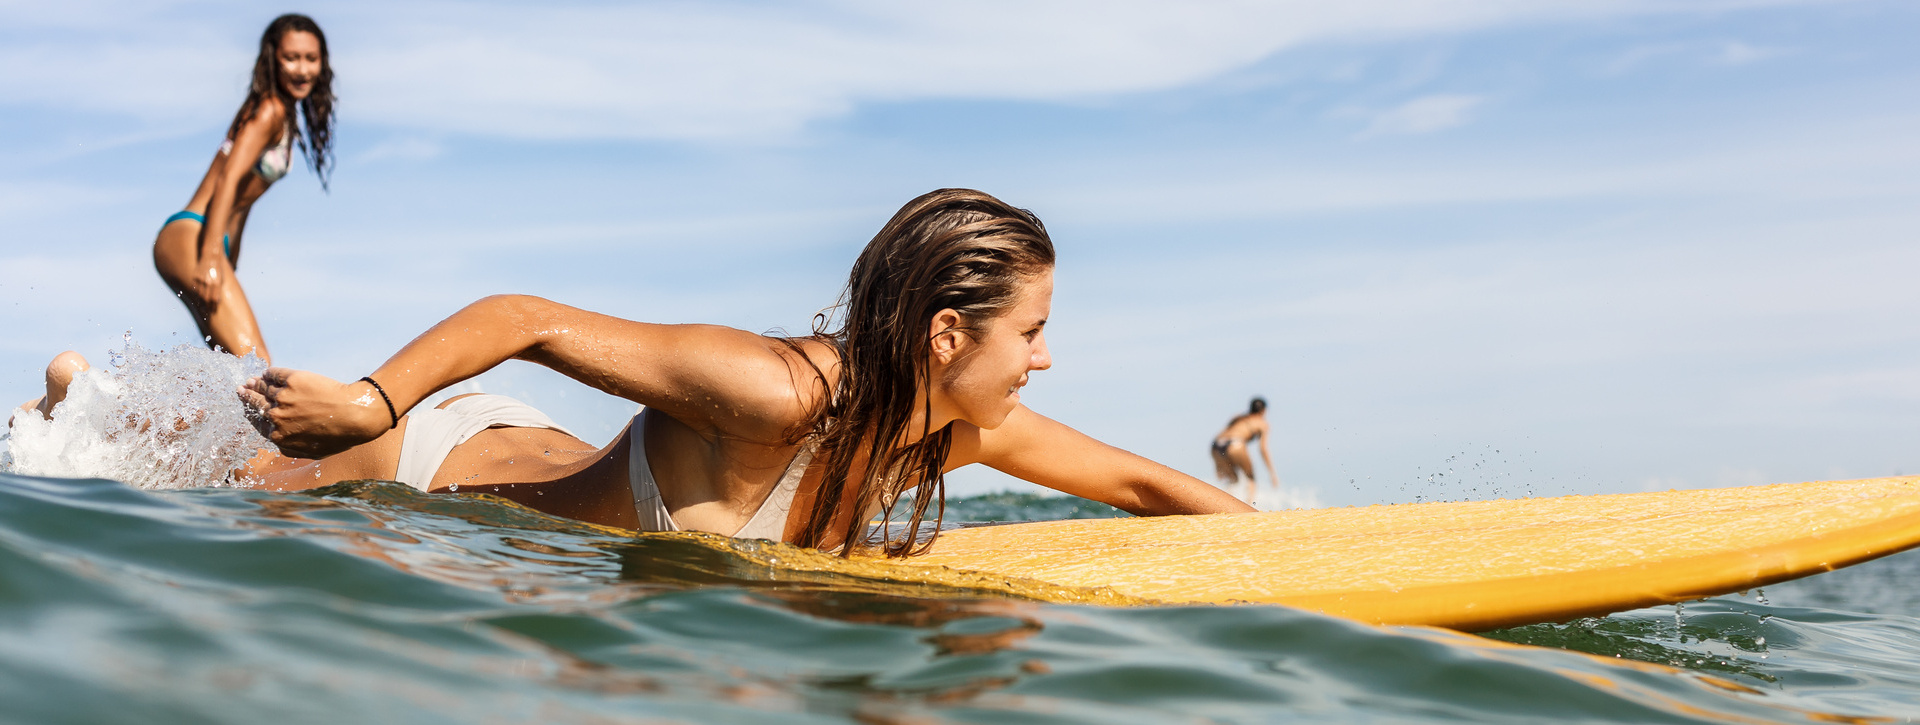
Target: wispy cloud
<point>405,148</point>
<point>1734,52</point>
<point>1863,160</point>
<point>41,198</point>
<point>726,70</point>
<point>1425,114</point>
<point>1722,53</point>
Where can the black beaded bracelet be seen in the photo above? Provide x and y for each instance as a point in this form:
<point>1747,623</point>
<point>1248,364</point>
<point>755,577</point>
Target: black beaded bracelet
<point>383,396</point>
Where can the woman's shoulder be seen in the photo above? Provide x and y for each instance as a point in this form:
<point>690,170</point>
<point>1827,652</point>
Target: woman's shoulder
<point>268,117</point>
<point>818,352</point>
<point>811,366</point>
<point>768,385</point>
<point>272,105</point>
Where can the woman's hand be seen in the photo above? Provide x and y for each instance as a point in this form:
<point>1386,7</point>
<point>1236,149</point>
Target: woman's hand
<point>308,415</point>
<point>206,281</point>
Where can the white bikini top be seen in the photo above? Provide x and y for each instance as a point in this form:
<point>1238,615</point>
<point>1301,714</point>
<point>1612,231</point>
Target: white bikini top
<point>770,522</point>
<point>274,161</point>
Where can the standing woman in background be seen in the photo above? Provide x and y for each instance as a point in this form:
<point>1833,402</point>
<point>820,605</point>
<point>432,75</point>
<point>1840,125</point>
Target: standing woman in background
<point>199,247</point>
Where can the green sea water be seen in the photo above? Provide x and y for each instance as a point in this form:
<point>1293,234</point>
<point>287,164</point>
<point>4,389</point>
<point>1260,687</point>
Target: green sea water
<point>372,603</point>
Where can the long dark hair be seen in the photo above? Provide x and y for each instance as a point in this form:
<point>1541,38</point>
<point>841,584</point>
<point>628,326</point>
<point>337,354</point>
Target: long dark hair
<point>956,249</point>
<point>317,143</point>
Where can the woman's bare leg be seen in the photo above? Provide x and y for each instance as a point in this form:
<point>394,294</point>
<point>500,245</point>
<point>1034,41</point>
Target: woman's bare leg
<point>226,320</point>
<point>1243,465</point>
<point>232,325</point>
<point>268,469</point>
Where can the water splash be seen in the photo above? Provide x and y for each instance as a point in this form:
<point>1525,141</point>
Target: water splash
<point>166,419</point>
<point>1486,472</point>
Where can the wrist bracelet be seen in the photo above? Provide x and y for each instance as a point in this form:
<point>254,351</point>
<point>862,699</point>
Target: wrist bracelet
<point>383,396</point>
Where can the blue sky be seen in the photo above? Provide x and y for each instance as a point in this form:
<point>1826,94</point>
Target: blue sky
<point>1573,247</point>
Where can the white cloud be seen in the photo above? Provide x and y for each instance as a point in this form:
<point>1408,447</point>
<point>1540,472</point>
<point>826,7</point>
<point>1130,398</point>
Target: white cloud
<point>1425,114</point>
<point>44,198</point>
<point>1867,160</point>
<point>708,71</point>
<point>135,60</point>
<point>407,148</point>
<point>1734,52</point>
<point>1724,53</point>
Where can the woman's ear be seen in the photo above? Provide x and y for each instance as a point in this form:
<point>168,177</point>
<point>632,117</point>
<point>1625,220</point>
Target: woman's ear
<point>945,335</point>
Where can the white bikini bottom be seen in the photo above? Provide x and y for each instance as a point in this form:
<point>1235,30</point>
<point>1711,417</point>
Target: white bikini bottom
<point>431,434</point>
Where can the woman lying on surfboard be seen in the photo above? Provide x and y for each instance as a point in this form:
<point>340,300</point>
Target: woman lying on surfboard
<point>198,248</point>
<point>792,439</point>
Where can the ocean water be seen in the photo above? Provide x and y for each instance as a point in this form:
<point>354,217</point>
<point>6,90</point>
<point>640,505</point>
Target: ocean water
<point>369,602</point>
<point>172,599</point>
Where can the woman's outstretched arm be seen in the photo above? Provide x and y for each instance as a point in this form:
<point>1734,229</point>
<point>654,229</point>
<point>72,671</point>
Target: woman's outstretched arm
<point>714,379</point>
<point>1035,448</point>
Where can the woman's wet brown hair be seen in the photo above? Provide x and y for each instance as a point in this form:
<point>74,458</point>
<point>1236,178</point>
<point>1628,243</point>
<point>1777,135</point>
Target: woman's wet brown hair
<point>316,143</point>
<point>956,249</point>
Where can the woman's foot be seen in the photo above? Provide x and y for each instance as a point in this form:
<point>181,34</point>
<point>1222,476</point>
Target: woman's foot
<point>60,374</point>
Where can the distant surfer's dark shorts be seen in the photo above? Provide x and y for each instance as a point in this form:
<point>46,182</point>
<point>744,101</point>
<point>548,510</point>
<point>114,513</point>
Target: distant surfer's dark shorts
<point>1222,463</point>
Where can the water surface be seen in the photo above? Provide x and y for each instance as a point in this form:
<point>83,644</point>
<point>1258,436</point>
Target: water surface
<point>371,602</point>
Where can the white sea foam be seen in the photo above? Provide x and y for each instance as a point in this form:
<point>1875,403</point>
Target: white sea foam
<point>1290,496</point>
<point>166,419</point>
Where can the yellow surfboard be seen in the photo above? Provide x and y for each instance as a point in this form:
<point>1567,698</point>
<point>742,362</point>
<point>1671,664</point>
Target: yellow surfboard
<point>1471,565</point>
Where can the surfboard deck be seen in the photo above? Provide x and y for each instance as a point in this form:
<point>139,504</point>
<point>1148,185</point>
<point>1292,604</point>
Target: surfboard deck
<point>1468,565</point>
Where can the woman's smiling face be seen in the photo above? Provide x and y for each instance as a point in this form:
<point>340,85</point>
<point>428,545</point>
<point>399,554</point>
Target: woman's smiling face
<point>299,58</point>
<point>980,377</point>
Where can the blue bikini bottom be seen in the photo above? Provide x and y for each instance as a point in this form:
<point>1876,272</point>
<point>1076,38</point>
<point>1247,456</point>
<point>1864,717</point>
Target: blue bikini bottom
<point>226,240</point>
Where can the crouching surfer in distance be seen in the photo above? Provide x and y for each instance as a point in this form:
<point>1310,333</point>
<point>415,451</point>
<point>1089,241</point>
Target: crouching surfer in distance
<point>797,439</point>
<point>1231,459</point>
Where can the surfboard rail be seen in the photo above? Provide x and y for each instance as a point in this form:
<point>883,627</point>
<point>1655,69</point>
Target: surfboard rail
<point>1469,566</point>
